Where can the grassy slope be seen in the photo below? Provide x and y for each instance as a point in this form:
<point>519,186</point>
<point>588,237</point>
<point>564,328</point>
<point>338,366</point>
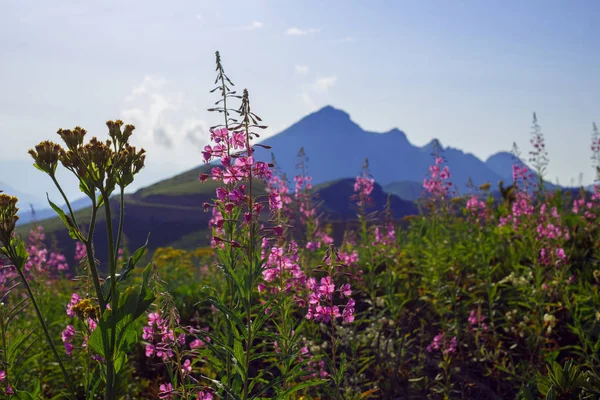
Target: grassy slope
<point>170,210</point>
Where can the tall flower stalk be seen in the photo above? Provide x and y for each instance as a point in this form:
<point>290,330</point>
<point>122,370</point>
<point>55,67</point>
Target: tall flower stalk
<point>101,168</point>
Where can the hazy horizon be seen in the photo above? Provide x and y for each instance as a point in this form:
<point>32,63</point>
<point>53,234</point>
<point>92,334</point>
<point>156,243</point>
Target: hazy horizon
<point>469,73</point>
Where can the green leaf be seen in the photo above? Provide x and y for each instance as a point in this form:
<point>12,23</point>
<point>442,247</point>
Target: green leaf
<point>120,360</point>
<point>21,253</point>
<point>125,271</point>
<point>95,341</point>
<point>69,223</point>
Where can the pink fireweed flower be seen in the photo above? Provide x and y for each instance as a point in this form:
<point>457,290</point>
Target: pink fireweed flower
<point>476,320</point>
<point>68,333</point>
<point>441,342</point>
<point>165,391</point>
<point>68,348</point>
<point>438,183</point>
<point>203,395</point>
<point>275,202</point>
<point>320,301</point>
<point>345,290</point>
<point>196,344</point>
<point>2,375</point>
<point>476,207</point>
<point>154,318</point>
<point>74,300</point>
<point>363,187</point>
<point>150,349</point>
<point>186,368</point>
<point>327,287</point>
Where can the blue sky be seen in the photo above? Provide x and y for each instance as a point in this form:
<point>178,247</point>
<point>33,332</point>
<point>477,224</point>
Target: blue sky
<point>470,73</point>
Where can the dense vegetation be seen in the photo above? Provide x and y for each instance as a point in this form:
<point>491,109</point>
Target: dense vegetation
<point>474,297</point>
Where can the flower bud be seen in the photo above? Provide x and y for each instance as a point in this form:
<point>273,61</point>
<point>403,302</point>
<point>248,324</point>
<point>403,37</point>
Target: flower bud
<point>8,217</point>
<point>46,156</point>
<point>72,138</point>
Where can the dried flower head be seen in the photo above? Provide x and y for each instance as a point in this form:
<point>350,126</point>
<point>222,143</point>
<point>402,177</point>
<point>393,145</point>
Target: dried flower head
<point>127,163</point>
<point>97,157</point>
<point>485,187</point>
<point>119,137</point>
<point>85,309</point>
<point>46,156</point>
<point>8,217</point>
<point>72,138</point>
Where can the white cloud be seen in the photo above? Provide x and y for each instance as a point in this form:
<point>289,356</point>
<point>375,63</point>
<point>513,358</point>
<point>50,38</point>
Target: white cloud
<point>165,122</point>
<point>294,31</point>
<point>325,83</point>
<point>254,25</point>
<point>301,69</point>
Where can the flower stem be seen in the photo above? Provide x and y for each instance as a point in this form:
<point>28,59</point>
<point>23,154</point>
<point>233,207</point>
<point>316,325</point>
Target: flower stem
<point>68,380</point>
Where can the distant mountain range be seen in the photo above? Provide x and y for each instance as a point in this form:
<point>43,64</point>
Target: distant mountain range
<point>336,148</point>
<point>25,199</point>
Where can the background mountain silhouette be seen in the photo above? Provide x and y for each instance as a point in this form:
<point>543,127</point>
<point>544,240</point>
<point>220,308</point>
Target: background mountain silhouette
<point>337,147</point>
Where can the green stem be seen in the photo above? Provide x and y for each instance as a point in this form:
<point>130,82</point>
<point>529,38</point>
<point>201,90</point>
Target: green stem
<point>121,217</point>
<point>110,365</point>
<point>90,256</point>
<point>250,279</point>
<point>68,380</point>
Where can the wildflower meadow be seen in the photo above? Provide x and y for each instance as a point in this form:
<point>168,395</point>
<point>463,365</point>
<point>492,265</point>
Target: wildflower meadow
<point>478,296</point>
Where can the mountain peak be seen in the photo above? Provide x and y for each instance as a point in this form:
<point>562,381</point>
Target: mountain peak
<point>330,112</point>
<point>431,145</point>
<point>326,120</point>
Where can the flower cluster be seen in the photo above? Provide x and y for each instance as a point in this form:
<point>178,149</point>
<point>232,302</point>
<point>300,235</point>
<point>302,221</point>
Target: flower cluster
<point>438,183</point>
<point>443,343</point>
<point>551,234</point>
<point>40,259</point>
<point>282,271</point>
<point>8,389</point>
<point>166,392</point>
<point>476,208</point>
<point>316,368</point>
<point>476,320</point>
<point>320,239</point>
<point>522,175</point>
<point>235,167</point>
<point>321,305</point>
<point>388,240</point>
<point>521,208</point>
<point>161,338</point>
<point>363,187</point>
<point>83,309</point>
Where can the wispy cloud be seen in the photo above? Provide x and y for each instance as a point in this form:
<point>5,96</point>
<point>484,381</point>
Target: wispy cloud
<point>301,69</point>
<point>162,117</point>
<point>325,83</point>
<point>294,31</point>
<point>254,25</point>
